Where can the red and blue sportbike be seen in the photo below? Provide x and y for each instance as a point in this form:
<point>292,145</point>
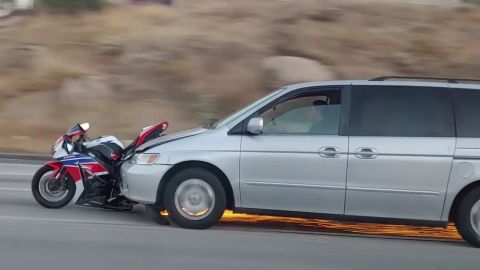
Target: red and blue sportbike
<point>87,172</point>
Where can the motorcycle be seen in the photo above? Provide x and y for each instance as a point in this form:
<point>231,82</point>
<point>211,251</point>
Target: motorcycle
<point>87,172</point>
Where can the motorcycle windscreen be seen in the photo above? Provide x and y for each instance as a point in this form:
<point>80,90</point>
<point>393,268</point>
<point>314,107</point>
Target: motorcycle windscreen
<point>75,130</point>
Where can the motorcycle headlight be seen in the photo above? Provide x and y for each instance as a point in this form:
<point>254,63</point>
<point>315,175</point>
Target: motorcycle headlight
<point>145,159</point>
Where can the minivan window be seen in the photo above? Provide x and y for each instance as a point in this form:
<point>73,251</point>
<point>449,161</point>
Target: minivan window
<point>312,113</point>
<point>227,119</point>
<point>401,111</point>
<point>467,112</point>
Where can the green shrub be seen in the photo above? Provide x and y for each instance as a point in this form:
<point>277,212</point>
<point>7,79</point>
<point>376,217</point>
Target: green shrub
<point>73,5</point>
<point>472,1</point>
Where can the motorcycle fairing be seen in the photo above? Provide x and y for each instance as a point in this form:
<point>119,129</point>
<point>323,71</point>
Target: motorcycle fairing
<point>79,167</point>
<point>76,162</point>
<point>150,131</point>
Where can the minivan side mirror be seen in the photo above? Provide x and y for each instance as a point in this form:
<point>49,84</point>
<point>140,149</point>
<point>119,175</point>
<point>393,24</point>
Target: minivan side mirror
<point>255,126</point>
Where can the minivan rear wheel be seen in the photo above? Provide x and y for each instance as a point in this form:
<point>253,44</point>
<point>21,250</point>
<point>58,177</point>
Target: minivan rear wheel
<point>467,218</point>
<point>195,198</point>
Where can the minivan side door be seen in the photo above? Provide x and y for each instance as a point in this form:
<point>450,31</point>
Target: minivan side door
<point>299,162</point>
<point>401,147</point>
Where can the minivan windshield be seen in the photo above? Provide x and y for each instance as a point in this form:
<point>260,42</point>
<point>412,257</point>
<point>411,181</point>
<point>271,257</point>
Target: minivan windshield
<point>238,113</point>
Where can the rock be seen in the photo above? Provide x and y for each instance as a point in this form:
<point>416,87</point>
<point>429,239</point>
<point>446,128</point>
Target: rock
<point>77,91</point>
<point>36,109</point>
<point>326,15</point>
<point>165,2</point>
<point>110,46</point>
<point>19,58</point>
<point>281,70</point>
<point>118,2</point>
<point>6,8</point>
<point>24,4</point>
<point>401,60</point>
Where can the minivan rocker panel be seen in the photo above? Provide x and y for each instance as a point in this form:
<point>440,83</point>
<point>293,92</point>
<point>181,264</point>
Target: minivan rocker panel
<point>388,151</point>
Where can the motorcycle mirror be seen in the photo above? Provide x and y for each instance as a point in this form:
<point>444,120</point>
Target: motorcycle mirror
<point>85,126</point>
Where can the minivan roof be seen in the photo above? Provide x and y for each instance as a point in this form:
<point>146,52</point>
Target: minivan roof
<point>389,82</point>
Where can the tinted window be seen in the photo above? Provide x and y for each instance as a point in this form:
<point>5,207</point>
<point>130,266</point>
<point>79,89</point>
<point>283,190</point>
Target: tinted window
<point>401,111</point>
<point>310,113</point>
<point>467,112</point>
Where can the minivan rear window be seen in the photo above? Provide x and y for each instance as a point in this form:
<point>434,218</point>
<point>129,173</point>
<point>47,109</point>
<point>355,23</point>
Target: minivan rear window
<point>401,111</point>
<point>467,112</point>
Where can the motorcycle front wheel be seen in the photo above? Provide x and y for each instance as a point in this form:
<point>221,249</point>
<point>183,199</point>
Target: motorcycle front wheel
<point>50,193</point>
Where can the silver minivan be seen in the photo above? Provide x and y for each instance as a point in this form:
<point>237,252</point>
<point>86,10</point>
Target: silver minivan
<point>391,149</point>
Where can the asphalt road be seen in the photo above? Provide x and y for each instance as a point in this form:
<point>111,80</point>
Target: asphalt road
<point>32,237</point>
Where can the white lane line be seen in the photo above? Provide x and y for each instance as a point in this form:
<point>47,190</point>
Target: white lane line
<point>77,221</point>
<point>20,165</point>
<point>15,189</point>
<point>17,174</point>
<point>17,170</point>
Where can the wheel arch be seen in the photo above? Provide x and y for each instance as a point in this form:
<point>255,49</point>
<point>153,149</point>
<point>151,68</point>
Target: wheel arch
<point>197,164</point>
<point>459,197</point>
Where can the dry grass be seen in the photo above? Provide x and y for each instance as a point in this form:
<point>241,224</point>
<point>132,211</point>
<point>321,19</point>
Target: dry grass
<point>206,55</point>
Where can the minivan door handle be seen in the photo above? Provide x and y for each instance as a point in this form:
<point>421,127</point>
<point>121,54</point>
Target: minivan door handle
<point>330,152</point>
<point>366,153</point>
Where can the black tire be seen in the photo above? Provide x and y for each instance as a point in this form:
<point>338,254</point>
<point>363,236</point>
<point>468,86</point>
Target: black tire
<point>462,218</point>
<point>45,202</point>
<point>218,208</point>
<point>154,212</point>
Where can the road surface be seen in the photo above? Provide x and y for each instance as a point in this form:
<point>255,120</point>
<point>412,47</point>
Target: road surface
<point>32,237</point>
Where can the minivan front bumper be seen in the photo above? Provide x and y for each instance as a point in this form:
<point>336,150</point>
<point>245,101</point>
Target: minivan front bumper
<point>140,182</point>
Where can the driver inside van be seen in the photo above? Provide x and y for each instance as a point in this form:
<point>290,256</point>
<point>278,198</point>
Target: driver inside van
<point>322,116</point>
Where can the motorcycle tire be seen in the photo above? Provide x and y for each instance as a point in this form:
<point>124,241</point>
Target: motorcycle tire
<point>47,198</point>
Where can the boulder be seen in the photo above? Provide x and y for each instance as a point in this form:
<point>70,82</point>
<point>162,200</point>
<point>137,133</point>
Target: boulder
<point>78,91</point>
<point>19,59</point>
<point>281,70</point>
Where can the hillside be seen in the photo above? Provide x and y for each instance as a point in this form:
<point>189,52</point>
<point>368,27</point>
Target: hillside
<point>128,66</point>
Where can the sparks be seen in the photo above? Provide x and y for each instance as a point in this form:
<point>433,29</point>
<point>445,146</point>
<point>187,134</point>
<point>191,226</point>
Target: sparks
<point>320,225</point>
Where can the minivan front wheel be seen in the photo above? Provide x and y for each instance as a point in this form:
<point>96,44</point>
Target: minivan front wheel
<point>195,198</point>
<point>467,218</point>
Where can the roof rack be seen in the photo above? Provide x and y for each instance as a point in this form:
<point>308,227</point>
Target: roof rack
<point>450,80</point>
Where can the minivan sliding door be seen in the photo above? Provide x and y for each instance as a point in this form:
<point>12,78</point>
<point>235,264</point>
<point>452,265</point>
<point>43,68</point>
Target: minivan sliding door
<point>401,147</point>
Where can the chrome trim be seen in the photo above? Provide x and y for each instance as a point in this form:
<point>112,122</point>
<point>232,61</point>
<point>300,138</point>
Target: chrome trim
<point>347,153</point>
<point>330,152</point>
<point>366,153</point>
<point>274,184</point>
<point>466,157</point>
<point>294,152</point>
<point>401,191</point>
<point>399,155</point>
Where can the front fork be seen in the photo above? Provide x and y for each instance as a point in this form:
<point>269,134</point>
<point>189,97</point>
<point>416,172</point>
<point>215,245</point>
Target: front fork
<point>57,167</point>
<point>59,173</point>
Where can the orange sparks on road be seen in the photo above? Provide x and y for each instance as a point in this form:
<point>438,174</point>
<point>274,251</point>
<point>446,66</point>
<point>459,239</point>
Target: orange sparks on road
<point>319,225</point>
